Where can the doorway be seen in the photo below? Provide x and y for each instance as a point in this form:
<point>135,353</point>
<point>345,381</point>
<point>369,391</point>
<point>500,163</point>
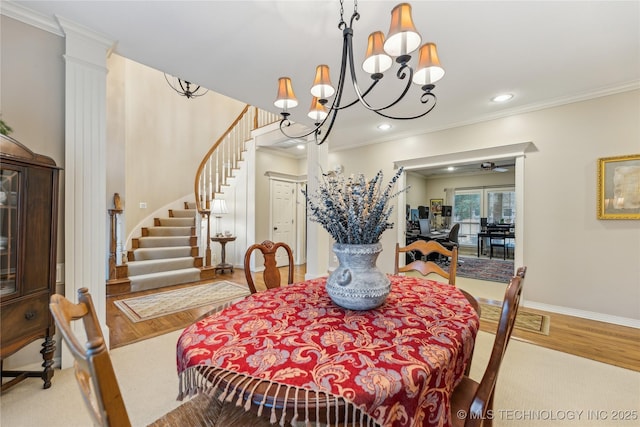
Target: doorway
<point>283,216</point>
<point>512,152</point>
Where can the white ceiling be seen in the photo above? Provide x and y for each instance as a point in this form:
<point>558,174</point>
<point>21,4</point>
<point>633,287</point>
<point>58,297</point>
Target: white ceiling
<point>544,52</point>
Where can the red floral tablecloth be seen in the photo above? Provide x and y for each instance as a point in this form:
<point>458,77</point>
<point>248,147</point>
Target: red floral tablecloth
<point>398,363</point>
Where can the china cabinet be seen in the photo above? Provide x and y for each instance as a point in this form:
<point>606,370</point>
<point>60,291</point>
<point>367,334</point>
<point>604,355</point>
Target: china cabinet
<point>28,239</point>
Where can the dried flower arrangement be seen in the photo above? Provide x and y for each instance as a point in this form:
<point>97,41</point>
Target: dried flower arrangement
<point>353,210</point>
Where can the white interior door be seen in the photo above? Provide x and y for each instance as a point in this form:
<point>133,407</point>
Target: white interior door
<point>283,217</point>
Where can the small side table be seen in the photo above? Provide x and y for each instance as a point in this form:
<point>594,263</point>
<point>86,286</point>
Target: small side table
<point>223,241</point>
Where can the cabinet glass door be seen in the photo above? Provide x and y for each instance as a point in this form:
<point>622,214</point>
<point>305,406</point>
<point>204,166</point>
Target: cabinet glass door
<point>9,196</point>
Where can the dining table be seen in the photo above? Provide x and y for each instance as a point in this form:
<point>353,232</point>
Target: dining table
<point>292,355</point>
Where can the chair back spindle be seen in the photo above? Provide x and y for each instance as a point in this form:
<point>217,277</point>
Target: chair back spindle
<point>93,368</point>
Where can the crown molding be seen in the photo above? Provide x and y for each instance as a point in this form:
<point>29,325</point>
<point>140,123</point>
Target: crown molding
<point>56,25</point>
<point>529,108</point>
<point>30,17</point>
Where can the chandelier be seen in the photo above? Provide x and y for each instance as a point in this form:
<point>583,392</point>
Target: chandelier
<point>402,40</point>
<point>185,88</point>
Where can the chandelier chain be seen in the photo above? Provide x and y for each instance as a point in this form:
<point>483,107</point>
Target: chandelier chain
<point>342,25</point>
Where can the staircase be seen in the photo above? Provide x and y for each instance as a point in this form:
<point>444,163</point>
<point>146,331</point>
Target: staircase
<point>224,157</point>
<point>168,253</point>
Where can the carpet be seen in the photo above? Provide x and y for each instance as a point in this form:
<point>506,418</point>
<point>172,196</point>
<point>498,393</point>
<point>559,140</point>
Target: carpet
<point>150,306</point>
<point>525,320</point>
<point>493,270</point>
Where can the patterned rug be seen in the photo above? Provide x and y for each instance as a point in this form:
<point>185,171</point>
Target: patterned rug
<point>147,307</point>
<point>493,270</point>
<point>525,320</point>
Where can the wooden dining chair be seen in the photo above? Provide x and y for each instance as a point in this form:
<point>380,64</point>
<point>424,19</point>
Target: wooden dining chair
<point>271,273</point>
<point>476,399</point>
<point>423,265</point>
<point>99,386</point>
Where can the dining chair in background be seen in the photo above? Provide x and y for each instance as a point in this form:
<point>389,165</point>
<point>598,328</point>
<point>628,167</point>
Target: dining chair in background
<point>99,386</point>
<point>473,398</point>
<point>498,242</point>
<point>271,273</point>
<point>423,264</point>
<point>452,239</point>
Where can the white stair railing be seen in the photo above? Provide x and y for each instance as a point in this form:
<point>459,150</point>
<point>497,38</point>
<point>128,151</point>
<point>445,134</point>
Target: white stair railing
<point>222,159</point>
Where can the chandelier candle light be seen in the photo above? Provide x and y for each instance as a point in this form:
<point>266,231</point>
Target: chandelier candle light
<point>402,40</point>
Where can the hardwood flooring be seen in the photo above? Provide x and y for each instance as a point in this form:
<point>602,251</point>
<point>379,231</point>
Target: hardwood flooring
<point>123,331</point>
<point>604,342</point>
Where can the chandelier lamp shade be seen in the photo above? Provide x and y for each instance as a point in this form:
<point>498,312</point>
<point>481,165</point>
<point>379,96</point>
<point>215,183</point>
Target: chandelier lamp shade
<point>401,41</point>
<point>185,88</point>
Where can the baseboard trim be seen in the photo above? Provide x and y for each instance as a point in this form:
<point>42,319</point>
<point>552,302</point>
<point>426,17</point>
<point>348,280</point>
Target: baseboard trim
<point>591,315</point>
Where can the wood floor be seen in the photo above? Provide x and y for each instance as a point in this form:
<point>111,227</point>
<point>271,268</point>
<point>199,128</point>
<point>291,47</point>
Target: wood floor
<point>604,342</point>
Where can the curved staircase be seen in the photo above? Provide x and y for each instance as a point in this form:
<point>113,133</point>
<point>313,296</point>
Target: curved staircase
<point>166,254</point>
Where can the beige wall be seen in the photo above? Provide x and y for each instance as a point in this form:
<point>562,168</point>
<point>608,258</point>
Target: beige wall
<point>32,102</point>
<point>576,262</point>
<point>267,161</point>
<point>417,193</point>
<point>161,136</point>
<point>32,94</point>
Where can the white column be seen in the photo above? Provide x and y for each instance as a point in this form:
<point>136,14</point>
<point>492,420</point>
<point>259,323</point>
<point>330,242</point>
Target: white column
<point>86,217</point>
<point>317,238</point>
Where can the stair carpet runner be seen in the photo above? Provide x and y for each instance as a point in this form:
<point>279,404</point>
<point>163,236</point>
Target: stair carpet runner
<point>166,254</point>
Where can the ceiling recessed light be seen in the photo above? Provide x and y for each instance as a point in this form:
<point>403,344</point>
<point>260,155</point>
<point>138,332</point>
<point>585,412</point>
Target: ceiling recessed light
<point>504,97</point>
<point>384,126</point>
<point>300,146</point>
<point>451,168</point>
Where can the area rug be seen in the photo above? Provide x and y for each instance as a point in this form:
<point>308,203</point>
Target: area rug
<point>493,270</point>
<point>159,304</point>
<point>525,320</point>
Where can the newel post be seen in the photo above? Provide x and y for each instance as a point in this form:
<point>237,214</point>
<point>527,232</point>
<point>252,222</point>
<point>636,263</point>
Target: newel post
<point>206,214</point>
<point>117,283</point>
<point>117,209</point>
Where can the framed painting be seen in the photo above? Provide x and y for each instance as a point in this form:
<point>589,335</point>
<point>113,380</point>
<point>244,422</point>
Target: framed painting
<point>619,187</point>
<point>436,206</point>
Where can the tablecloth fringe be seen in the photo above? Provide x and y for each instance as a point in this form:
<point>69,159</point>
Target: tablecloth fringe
<point>207,379</point>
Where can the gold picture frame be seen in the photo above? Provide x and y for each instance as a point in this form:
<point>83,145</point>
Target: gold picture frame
<point>436,206</point>
<point>619,187</point>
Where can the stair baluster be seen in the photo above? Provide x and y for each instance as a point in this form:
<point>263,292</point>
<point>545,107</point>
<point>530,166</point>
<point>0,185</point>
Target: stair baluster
<point>222,159</point>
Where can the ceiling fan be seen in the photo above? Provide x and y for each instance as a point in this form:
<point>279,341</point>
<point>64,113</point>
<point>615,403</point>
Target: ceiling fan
<point>491,166</point>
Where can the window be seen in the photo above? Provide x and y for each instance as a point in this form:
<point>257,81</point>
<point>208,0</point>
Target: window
<point>466,212</point>
<point>497,204</point>
<point>501,206</point>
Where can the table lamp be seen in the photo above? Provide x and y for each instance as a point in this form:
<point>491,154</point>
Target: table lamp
<point>218,209</point>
